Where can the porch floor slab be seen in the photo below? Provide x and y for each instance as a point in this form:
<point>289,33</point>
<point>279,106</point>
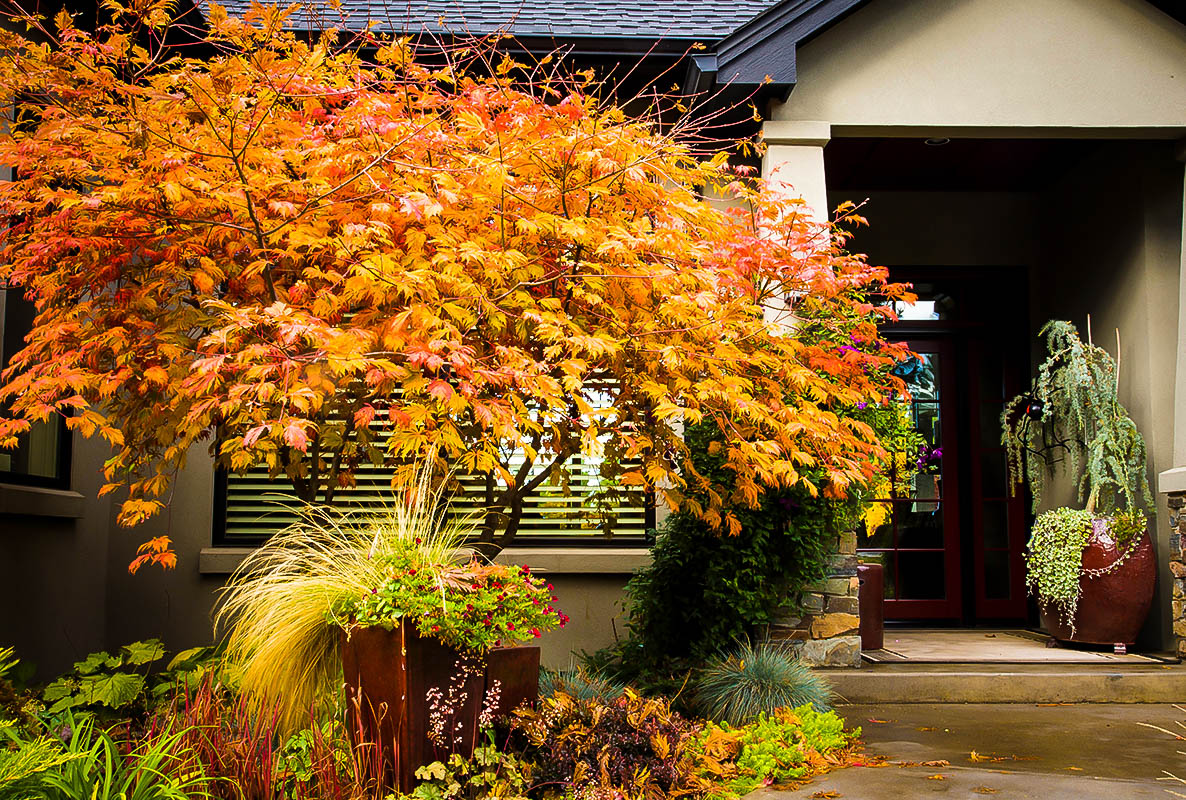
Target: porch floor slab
<point>979,646</point>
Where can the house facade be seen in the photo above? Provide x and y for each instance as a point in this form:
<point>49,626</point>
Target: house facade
<point>1018,160</point>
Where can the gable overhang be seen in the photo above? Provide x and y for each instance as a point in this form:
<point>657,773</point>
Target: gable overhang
<point>759,57</point>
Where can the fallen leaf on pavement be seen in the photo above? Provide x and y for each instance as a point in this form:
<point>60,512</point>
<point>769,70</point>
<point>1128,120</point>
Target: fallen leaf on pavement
<point>940,763</point>
<point>975,757</point>
<point>936,777</point>
<point>1077,769</point>
<point>880,721</point>
<point>826,795</point>
<point>985,790</point>
<point>928,729</point>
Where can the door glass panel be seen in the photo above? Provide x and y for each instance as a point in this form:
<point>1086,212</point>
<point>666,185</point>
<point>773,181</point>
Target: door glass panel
<point>994,517</point>
<point>920,575</point>
<point>993,473</point>
<point>990,424</point>
<point>996,574</point>
<point>882,536</point>
<point>920,529</point>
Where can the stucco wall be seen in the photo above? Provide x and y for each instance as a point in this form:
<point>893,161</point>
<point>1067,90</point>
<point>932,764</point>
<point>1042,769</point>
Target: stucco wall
<point>996,64</point>
<point>53,578</point>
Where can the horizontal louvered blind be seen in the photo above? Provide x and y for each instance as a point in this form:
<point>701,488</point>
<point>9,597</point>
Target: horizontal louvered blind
<point>256,507</point>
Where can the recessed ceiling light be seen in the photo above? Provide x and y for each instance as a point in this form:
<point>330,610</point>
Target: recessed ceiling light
<point>937,141</point>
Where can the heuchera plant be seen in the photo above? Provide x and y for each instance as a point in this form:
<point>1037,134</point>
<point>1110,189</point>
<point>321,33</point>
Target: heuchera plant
<point>472,607</point>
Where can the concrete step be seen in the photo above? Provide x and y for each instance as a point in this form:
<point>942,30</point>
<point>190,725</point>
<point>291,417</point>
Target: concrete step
<point>1010,683</point>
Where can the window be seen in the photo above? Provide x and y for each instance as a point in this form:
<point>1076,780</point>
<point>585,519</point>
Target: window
<point>250,507</point>
<point>42,457</point>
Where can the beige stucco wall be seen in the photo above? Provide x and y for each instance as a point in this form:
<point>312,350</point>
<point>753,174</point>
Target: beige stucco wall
<point>1113,249</point>
<point>950,64</point>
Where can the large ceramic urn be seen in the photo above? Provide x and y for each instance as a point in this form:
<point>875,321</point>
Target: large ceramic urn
<point>1116,585</point>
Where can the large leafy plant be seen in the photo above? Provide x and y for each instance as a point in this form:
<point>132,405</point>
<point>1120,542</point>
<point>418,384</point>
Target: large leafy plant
<point>314,253</point>
<point>130,682</point>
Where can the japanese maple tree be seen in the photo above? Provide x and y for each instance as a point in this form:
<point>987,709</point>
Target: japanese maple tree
<point>312,255</point>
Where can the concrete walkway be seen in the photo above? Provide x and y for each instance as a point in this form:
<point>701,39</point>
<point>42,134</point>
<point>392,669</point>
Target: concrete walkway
<point>1077,752</point>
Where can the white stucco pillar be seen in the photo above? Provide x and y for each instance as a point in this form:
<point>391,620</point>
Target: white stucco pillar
<point>795,155</point>
<point>1174,480</point>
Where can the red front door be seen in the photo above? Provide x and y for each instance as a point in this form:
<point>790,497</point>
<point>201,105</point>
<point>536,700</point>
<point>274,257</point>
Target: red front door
<point>952,539</point>
<point>918,542</point>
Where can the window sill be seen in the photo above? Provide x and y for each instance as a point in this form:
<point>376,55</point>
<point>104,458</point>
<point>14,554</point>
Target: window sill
<point>37,501</point>
<point>552,560</point>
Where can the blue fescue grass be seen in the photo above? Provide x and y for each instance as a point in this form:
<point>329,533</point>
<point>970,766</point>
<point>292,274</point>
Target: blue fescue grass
<point>738,685</point>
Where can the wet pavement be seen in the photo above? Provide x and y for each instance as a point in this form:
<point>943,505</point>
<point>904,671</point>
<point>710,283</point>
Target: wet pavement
<point>1010,751</point>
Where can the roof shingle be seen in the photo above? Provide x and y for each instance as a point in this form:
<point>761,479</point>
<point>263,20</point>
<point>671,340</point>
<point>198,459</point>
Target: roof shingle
<point>701,20</point>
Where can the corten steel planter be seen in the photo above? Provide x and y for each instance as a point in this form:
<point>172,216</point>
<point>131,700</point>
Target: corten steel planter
<point>871,605</point>
<point>1113,606</point>
<point>388,675</point>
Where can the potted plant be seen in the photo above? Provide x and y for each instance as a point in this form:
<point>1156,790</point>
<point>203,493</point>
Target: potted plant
<point>419,631</point>
<point>1092,569</point>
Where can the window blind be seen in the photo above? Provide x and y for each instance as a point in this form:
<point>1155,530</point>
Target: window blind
<point>255,507</point>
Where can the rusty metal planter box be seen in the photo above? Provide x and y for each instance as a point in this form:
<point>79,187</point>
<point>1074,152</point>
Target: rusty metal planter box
<point>388,675</point>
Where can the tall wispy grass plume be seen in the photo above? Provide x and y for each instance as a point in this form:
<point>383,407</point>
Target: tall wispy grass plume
<point>751,679</point>
<point>278,606</point>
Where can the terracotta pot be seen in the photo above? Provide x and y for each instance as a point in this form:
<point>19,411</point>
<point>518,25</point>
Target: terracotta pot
<point>1112,607</point>
<point>388,677</point>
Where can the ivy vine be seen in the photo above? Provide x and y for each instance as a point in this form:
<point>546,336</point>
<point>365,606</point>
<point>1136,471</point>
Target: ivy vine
<point>1054,556</point>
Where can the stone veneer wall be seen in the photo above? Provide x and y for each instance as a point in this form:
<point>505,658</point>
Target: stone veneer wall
<point>1177,557</point>
<point>824,629</point>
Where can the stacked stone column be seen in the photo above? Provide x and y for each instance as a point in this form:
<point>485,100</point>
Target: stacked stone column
<point>822,623</point>
<point>1177,559</point>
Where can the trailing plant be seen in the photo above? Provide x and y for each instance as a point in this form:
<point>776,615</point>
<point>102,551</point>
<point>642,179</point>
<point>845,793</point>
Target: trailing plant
<point>786,745</point>
<point>1054,555</point>
<point>280,606</point>
<point>1073,410</point>
<point>633,746</point>
<point>754,679</point>
<point>472,607</point>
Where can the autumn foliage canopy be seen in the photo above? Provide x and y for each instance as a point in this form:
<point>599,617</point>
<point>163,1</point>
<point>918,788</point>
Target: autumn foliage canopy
<point>312,254</point>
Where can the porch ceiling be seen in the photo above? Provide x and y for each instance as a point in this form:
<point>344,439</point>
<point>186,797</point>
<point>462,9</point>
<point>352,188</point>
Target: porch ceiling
<point>910,164</point>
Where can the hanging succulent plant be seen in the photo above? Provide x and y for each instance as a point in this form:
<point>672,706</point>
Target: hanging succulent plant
<point>1072,413</point>
<point>1073,410</point>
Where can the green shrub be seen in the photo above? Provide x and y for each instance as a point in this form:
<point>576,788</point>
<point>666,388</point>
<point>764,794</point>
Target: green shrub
<point>753,679</point>
<point>704,587</point>
<point>776,748</point>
